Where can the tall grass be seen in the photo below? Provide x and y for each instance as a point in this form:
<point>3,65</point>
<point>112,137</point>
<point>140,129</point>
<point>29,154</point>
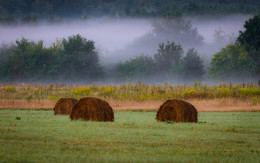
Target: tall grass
<point>138,91</point>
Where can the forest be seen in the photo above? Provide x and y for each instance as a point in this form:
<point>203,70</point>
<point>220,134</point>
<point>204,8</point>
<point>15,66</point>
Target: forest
<point>32,11</point>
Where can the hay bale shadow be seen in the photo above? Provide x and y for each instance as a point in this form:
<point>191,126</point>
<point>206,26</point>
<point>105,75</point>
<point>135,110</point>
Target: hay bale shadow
<point>92,109</point>
<point>177,111</point>
<point>64,106</point>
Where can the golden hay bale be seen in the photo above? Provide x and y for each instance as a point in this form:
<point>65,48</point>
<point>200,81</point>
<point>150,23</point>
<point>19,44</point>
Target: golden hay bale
<point>92,109</point>
<point>64,106</point>
<point>177,111</point>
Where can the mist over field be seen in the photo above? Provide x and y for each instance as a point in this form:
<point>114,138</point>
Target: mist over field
<point>113,35</point>
<point>119,39</point>
<point>108,34</point>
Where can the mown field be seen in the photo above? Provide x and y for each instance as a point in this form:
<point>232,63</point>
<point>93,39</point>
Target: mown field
<point>39,136</point>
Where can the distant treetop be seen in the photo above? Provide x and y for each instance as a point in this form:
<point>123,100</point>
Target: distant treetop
<point>30,11</point>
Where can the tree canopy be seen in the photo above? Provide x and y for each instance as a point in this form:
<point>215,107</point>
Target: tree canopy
<point>168,55</point>
<point>193,68</point>
<point>137,68</point>
<point>72,59</point>
<point>232,62</point>
<point>79,58</point>
<point>167,64</point>
<point>242,59</point>
<point>54,10</point>
<point>250,40</point>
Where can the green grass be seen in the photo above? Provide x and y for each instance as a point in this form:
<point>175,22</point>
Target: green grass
<point>39,136</point>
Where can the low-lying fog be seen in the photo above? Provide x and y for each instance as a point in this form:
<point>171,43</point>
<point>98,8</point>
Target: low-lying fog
<point>231,24</point>
<point>108,34</point>
<point>120,39</point>
<point>112,34</point>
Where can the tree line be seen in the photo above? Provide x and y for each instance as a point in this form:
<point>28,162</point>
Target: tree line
<point>75,59</point>
<point>242,59</point>
<point>68,60</point>
<point>168,63</point>
<point>30,11</point>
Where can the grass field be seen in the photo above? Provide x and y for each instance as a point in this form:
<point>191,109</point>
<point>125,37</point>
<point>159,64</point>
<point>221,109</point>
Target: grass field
<point>39,136</point>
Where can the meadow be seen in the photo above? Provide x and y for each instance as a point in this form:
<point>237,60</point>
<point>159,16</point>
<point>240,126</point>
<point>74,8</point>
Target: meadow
<point>138,96</point>
<point>39,136</point>
<point>136,92</point>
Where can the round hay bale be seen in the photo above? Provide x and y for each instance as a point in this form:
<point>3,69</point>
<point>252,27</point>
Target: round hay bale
<point>177,111</point>
<point>92,109</point>
<point>64,106</point>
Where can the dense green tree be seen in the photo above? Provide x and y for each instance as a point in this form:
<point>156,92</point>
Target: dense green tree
<point>5,52</point>
<point>14,68</point>
<point>167,64</point>
<point>29,62</point>
<point>168,56</point>
<point>73,59</point>
<point>250,39</point>
<point>136,69</point>
<point>193,68</point>
<point>232,62</point>
<point>79,59</point>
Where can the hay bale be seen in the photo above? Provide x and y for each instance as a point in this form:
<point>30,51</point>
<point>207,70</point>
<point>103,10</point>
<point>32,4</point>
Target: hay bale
<point>177,111</point>
<point>64,106</point>
<point>92,109</point>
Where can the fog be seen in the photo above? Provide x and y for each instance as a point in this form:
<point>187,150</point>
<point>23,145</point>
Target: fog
<point>117,40</point>
<point>113,34</point>
<point>230,24</point>
<point>107,34</point>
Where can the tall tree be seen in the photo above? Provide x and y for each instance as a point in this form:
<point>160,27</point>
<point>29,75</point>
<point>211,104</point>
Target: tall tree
<point>250,39</point>
<point>137,68</point>
<point>70,60</point>
<point>232,62</point>
<point>29,62</point>
<point>177,29</point>
<point>193,68</point>
<point>168,56</point>
<point>79,59</point>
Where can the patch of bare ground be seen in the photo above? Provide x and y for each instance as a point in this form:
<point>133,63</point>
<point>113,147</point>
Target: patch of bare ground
<point>22,104</point>
<point>224,105</point>
<point>202,105</point>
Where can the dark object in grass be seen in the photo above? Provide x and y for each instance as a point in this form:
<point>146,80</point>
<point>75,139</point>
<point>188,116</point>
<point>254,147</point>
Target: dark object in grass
<point>64,106</point>
<point>18,118</point>
<point>92,109</point>
<point>177,111</point>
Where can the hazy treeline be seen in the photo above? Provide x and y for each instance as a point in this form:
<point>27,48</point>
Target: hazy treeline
<point>75,59</point>
<point>54,10</point>
<point>178,30</point>
<point>68,60</point>
<point>242,59</point>
<point>236,61</point>
<point>167,64</point>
